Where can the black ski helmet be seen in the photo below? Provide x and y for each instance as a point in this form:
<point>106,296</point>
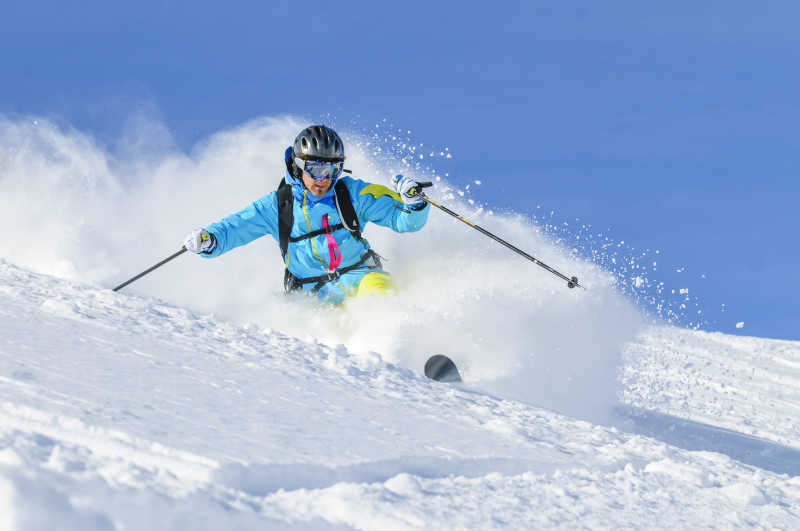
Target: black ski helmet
<point>319,142</point>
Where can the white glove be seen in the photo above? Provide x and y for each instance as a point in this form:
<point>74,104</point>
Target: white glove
<point>405,186</point>
<point>200,241</point>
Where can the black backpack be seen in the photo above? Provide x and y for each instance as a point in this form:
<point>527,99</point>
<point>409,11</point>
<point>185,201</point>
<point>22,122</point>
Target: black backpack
<point>344,206</point>
<point>347,213</point>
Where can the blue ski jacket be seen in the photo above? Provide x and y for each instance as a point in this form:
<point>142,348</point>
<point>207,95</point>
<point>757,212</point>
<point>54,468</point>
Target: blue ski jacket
<point>310,257</point>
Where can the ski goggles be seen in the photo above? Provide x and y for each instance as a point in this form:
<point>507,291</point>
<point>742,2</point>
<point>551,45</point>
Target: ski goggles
<point>320,170</point>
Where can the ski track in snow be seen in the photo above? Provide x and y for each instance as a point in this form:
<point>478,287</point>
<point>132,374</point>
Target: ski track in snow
<point>125,412</point>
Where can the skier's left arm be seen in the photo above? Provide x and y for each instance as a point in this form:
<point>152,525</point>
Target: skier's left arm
<point>393,209</point>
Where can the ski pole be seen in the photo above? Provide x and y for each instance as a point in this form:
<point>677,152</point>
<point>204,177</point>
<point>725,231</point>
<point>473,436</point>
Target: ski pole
<point>143,273</point>
<point>571,282</point>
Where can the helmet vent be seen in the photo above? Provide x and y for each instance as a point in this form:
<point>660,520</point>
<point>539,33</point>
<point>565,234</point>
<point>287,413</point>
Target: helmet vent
<point>319,142</point>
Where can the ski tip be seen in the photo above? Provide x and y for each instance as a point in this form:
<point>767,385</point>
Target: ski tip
<point>442,369</point>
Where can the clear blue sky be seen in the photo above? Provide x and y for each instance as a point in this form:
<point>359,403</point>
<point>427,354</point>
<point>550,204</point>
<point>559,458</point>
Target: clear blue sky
<point>674,124</point>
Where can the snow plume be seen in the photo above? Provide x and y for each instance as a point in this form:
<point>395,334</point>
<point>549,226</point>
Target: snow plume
<point>71,207</point>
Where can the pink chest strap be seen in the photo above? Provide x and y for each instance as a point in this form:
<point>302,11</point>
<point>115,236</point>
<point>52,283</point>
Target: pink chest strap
<point>333,247</point>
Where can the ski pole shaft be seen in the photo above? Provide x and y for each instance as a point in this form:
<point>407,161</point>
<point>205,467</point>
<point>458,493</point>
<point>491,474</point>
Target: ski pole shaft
<point>571,282</point>
<point>143,273</point>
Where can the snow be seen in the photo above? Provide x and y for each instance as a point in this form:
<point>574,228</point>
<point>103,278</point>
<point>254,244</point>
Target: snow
<point>201,398</point>
<point>100,217</point>
<point>121,411</point>
<point>750,386</point>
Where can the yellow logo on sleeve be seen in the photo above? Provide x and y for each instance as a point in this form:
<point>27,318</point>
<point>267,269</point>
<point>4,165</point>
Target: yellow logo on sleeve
<point>378,190</point>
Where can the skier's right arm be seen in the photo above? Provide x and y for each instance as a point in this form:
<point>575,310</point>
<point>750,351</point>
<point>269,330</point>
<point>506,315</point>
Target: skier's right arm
<point>255,220</point>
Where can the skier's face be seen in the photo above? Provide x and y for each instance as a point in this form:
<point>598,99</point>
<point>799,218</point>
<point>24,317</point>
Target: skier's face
<point>318,188</point>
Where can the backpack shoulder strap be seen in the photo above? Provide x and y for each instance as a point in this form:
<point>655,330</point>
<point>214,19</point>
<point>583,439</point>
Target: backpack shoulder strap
<point>285,201</point>
<point>344,205</point>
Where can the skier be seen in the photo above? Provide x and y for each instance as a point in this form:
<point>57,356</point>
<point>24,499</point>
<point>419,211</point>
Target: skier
<point>317,216</point>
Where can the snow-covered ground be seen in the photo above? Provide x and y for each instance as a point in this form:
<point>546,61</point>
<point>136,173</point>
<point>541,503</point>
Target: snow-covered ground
<point>124,412</point>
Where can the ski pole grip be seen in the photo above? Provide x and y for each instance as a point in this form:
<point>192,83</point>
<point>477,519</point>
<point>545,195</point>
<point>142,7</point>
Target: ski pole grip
<point>420,186</point>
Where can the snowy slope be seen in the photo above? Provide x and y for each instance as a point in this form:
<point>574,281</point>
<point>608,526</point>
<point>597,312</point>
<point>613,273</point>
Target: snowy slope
<point>746,384</point>
<point>124,412</point>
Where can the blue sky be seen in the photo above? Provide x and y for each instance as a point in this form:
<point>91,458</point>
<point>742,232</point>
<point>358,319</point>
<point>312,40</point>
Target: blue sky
<point>671,125</point>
